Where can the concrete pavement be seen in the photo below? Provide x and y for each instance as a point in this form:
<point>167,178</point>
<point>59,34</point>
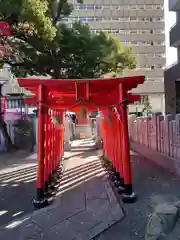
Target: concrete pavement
<point>85,204</point>
<point>153,185</point>
<point>17,185</point>
<point>80,210</point>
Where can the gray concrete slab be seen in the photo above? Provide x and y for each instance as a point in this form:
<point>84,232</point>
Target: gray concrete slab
<point>85,204</point>
<point>17,185</point>
<point>153,185</point>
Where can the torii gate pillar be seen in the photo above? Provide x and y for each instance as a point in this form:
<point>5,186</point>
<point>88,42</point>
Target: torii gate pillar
<point>40,200</point>
<point>126,159</point>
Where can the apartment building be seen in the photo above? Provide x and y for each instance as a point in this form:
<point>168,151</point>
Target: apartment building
<point>140,24</point>
<point>172,73</point>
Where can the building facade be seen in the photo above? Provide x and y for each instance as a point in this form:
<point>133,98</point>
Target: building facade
<point>172,73</point>
<point>140,24</point>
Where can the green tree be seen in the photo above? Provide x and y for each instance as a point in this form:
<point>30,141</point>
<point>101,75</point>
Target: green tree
<point>82,54</point>
<point>49,47</point>
<point>34,24</point>
<point>29,20</point>
<point>43,45</point>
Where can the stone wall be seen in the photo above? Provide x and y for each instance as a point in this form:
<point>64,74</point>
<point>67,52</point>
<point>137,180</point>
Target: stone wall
<point>158,138</point>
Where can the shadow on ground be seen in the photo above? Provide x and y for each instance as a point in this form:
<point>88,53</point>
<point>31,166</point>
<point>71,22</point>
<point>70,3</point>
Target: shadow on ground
<point>17,188</point>
<point>18,184</point>
<point>85,205</point>
<point>154,185</point>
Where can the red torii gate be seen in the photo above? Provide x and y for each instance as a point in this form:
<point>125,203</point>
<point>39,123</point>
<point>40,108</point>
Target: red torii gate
<point>53,97</point>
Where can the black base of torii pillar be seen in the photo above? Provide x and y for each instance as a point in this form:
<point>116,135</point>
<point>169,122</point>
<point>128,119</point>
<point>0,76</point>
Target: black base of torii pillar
<point>129,196</point>
<point>41,201</point>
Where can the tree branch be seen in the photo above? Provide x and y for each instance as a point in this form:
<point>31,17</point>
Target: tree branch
<point>13,64</point>
<point>59,10</point>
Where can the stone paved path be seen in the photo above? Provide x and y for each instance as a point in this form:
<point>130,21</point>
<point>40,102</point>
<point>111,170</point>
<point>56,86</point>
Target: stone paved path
<point>84,207</point>
<point>17,185</point>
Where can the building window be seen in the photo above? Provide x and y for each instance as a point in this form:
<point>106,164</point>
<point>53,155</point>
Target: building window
<point>160,55</point>
<point>98,7</point>
<point>124,7</point>
<point>133,18</point>
<point>147,67</point>
<point>141,7</point>
<point>149,6</point>
<point>90,7</point>
<point>150,79</point>
<point>133,31</point>
<point>82,7</point>
<point>142,19</point>
<point>126,42</point>
<point>115,19</point>
<point>151,55</point>
<point>83,20</point>
<point>106,6</point>
<point>161,7</point>
<point>66,20</point>
<point>135,43</point>
<point>123,31</point>
<point>144,99</point>
<point>143,31</point>
<point>115,31</point>
<point>159,43</point>
<point>133,7</point>
<point>90,19</point>
<point>159,19</point>
<point>159,66</point>
<point>143,42</point>
<point>98,18</point>
<point>124,19</point>
<point>161,31</point>
<point>115,6</point>
<point>76,7</point>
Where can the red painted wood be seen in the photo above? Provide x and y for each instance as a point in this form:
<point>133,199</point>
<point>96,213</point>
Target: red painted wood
<point>95,85</point>
<point>41,139</point>
<point>67,102</point>
<point>93,94</point>
<point>125,139</point>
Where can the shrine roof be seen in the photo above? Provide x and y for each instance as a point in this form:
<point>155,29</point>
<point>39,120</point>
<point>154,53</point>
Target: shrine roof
<point>94,93</point>
<point>69,85</point>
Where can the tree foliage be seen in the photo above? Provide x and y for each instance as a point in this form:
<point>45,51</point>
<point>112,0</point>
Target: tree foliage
<point>43,45</point>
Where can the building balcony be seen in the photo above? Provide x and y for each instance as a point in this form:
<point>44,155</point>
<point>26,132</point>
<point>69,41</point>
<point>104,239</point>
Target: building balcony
<point>175,35</point>
<point>174,5</point>
<point>149,87</point>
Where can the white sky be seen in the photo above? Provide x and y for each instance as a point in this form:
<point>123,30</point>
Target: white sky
<point>170,19</point>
